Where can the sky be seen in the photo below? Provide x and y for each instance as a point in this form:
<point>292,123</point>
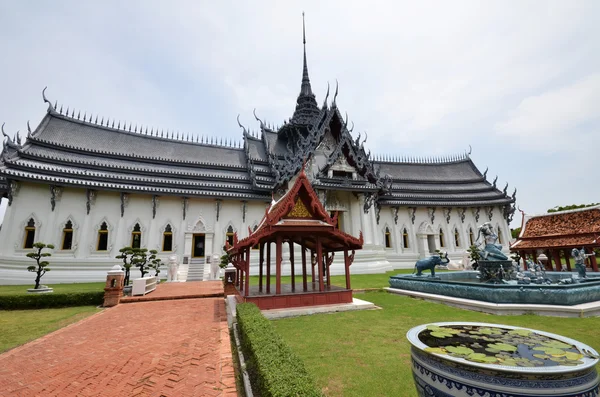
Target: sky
<point>517,83</point>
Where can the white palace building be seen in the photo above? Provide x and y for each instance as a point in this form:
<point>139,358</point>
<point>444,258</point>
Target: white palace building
<point>91,186</point>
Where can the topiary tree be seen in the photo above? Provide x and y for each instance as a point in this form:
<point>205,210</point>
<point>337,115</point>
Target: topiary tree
<point>155,264</point>
<point>126,255</point>
<point>474,256</point>
<point>142,258</point>
<point>41,267</point>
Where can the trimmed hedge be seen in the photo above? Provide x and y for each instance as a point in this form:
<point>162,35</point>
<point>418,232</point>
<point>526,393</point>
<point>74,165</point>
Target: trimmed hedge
<point>275,371</point>
<point>51,300</point>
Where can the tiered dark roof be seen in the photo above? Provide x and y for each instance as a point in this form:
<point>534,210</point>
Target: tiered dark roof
<point>70,150</point>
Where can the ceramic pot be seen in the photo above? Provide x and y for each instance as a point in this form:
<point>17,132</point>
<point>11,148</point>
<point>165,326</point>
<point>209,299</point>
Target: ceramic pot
<point>443,375</point>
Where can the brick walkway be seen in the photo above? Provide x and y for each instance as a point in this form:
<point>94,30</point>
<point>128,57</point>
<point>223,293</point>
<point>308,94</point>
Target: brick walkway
<point>162,348</point>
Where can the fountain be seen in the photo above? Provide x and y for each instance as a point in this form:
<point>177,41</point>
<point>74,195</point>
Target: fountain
<point>499,280</point>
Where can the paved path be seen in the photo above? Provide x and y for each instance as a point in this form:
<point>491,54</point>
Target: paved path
<point>162,348</point>
<point>192,289</point>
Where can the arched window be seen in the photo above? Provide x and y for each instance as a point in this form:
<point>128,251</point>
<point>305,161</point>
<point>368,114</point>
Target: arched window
<point>405,238</point>
<point>167,239</point>
<point>456,237</point>
<point>29,234</point>
<point>67,237</point>
<point>442,240</point>
<point>229,235</point>
<point>136,236</point>
<point>257,246</point>
<point>471,236</point>
<point>388,238</point>
<point>499,236</point>
<point>102,237</point>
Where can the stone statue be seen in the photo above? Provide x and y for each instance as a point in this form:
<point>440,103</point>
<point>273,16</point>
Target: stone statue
<point>214,267</point>
<point>430,264</point>
<point>580,256</point>
<point>173,267</point>
<point>491,250</point>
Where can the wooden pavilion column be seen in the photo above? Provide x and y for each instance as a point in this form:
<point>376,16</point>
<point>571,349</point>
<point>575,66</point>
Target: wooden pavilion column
<point>268,267</point>
<point>320,264</point>
<point>278,266</point>
<point>524,258</point>
<point>242,265</point>
<point>312,265</point>
<point>567,254</point>
<point>304,286</point>
<point>247,272</point>
<point>327,264</point>
<point>347,268</point>
<point>291,245</point>
<point>556,256</point>
<point>593,261</point>
<point>550,258</point>
<point>261,261</point>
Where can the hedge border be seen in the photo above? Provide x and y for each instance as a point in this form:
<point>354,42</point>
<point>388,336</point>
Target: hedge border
<point>274,369</point>
<point>51,300</point>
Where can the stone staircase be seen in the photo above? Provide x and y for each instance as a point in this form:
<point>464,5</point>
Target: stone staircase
<point>196,269</point>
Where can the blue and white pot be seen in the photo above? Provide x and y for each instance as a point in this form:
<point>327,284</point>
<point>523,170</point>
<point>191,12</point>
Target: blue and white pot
<point>446,376</point>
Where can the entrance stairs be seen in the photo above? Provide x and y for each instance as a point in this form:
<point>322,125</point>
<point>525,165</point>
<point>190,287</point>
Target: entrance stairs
<point>196,269</point>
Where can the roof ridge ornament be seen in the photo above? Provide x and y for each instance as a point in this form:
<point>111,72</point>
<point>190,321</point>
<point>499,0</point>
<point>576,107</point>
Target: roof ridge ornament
<point>326,97</point>
<point>334,104</point>
<point>50,106</point>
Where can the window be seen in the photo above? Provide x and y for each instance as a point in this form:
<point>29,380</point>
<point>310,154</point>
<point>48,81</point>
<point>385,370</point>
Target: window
<point>102,237</point>
<point>442,240</point>
<point>342,174</point>
<point>257,246</point>
<point>229,235</point>
<point>499,236</point>
<point>29,234</point>
<point>136,236</point>
<point>456,237</point>
<point>388,238</point>
<point>471,237</point>
<point>167,239</point>
<point>67,237</point>
<point>405,238</point>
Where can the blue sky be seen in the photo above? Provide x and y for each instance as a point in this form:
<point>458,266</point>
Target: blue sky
<point>517,81</point>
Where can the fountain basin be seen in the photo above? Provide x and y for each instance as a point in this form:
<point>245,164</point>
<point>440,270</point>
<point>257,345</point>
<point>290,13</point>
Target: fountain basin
<point>442,375</point>
<point>466,285</point>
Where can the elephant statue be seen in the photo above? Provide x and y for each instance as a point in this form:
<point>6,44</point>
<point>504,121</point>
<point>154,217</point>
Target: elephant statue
<point>430,264</point>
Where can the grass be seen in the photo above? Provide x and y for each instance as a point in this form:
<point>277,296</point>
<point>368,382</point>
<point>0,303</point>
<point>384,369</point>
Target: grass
<point>21,326</point>
<point>58,288</point>
<point>365,353</point>
<point>357,281</point>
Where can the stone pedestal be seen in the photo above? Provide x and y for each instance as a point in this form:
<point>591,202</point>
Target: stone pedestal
<point>230,275</point>
<point>494,272</point>
<point>113,291</point>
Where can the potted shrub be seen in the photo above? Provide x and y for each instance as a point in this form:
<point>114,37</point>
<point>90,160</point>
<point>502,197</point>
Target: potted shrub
<point>479,359</point>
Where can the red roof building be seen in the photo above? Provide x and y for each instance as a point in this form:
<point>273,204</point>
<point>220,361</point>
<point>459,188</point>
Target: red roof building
<point>297,218</point>
<point>558,232</point>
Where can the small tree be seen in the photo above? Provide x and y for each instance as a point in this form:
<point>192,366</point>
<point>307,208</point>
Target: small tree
<point>142,258</point>
<point>155,264</point>
<point>42,266</point>
<point>225,258</point>
<point>126,256</point>
<point>474,256</point>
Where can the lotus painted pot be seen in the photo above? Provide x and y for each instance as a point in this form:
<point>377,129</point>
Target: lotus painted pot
<point>456,359</point>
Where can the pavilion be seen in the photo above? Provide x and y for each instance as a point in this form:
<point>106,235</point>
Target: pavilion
<point>560,232</point>
<point>300,220</point>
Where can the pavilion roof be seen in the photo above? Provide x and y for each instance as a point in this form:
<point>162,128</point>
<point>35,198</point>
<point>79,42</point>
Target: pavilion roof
<point>299,216</point>
<point>565,229</point>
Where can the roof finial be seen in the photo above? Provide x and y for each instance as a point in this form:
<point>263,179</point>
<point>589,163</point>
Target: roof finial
<point>303,30</point>
<point>50,107</point>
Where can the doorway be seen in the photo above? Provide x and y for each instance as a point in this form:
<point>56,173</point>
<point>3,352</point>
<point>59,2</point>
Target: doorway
<point>198,246</point>
<point>431,243</point>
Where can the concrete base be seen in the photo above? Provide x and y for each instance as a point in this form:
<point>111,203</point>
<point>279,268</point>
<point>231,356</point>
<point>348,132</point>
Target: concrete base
<point>42,290</point>
<point>591,309</point>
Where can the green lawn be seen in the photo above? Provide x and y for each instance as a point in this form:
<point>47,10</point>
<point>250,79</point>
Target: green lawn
<point>60,288</point>
<point>365,353</point>
<point>357,281</point>
<point>20,326</point>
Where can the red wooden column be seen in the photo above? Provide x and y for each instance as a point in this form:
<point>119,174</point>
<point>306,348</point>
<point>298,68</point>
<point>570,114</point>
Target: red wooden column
<point>261,261</point>
<point>593,261</point>
<point>247,271</point>
<point>291,245</point>
<point>567,254</point>
<point>347,268</point>
<point>327,264</point>
<point>556,256</point>
<point>242,270</point>
<point>524,257</point>
<point>320,264</point>
<point>550,258</point>
<point>268,267</point>
<point>304,286</point>
<point>278,266</point>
